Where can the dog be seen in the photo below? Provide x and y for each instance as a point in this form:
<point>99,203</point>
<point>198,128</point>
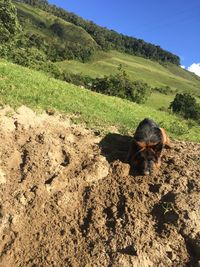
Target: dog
<point>144,154</point>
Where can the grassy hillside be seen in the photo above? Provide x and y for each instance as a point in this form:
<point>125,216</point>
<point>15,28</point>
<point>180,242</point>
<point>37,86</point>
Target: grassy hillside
<point>40,22</point>
<point>152,72</point>
<point>138,68</point>
<point>19,85</point>
<point>105,63</point>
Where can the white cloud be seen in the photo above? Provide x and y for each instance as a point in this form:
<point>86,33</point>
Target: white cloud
<point>195,67</point>
<point>182,66</point>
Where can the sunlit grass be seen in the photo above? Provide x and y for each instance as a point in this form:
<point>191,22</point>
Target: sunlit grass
<point>20,85</point>
<point>138,68</point>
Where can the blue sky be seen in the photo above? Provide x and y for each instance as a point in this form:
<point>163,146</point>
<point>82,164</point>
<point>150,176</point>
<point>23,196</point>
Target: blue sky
<point>172,24</point>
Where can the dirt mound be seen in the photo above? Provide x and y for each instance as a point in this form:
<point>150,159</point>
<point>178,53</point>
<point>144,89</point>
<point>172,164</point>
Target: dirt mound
<point>67,198</point>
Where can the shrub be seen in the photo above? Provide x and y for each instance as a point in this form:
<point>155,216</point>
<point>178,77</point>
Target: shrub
<point>9,25</point>
<point>77,79</point>
<point>139,92</point>
<point>50,68</point>
<point>186,105</point>
<point>120,85</point>
<point>28,57</point>
<point>164,90</point>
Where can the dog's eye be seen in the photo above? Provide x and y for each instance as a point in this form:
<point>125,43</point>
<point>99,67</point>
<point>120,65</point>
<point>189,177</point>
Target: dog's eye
<point>157,147</point>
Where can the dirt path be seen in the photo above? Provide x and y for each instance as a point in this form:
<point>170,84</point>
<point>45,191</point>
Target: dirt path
<point>67,199</point>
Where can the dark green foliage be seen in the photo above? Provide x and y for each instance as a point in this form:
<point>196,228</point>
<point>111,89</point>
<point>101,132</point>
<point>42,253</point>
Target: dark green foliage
<point>108,39</point>
<point>22,51</point>
<point>28,57</point>
<point>58,29</point>
<point>139,92</point>
<point>9,25</point>
<point>186,105</point>
<point>120,85</point>
<point>166,90</point>
<point>114,85</point>
<point>51,69</point>
<point>77,79</point>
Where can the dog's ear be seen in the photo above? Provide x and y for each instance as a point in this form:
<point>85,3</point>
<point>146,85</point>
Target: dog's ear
<point>166,140</point>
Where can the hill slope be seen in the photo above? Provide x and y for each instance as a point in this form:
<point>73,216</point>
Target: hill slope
<point>52,35</point>
<point>40,22</point>
<point>51,38</point>
<point>19,85</point>
<point>103,63</point>
<point>152,72</point>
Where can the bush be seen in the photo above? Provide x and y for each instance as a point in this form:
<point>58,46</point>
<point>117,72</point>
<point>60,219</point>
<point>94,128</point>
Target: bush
<point>164,90</point>
<point>9,25</point>
<point>50,68</point>
<point>28,57</point>
<point>77,79</point>
<point>120,85</point>
<point>139,92</point>
<point>186,105</point>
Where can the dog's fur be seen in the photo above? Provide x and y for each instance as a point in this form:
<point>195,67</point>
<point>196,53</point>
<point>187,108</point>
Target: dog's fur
<point>145,151</point>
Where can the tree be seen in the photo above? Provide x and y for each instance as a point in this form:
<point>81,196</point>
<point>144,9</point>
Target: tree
<point>9,25</point>
<point>120,85</point>
<point>186,105</point>
<point>138,91</point>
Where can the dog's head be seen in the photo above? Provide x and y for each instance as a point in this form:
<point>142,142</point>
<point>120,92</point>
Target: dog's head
<point>145,151</point>
<point>145,158</point>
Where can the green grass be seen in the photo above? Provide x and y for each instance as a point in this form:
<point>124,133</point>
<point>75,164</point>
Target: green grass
<point>138,68</point>
<point>151,72</point>
<point>105,63</point>
<point>159,101</point>
<point>19,85</point>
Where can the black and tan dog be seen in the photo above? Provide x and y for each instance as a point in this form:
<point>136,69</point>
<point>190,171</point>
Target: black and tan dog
<point>145,151</point>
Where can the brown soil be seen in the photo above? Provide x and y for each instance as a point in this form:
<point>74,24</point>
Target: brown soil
<point>67,199</point>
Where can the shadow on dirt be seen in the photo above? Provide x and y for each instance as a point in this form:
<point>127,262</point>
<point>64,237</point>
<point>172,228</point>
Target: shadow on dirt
<point>193,248</point>
<point>129,250</point>
<point>115,147</point>
<point>164,212</point>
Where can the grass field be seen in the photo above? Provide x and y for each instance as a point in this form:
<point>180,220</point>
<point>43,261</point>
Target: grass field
<point>138,68</point>
<point>20,85</point>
